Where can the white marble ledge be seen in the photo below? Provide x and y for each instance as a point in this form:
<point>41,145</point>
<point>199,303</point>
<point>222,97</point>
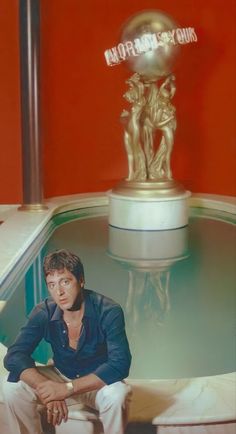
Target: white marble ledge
<point>185,401</point>
<point>20,228</point>
<point>214,201</point>
<point>6,211</point>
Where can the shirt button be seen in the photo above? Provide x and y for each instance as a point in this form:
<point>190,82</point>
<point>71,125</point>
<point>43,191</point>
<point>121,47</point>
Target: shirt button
<point>77,376</point>
<point>64,331</point>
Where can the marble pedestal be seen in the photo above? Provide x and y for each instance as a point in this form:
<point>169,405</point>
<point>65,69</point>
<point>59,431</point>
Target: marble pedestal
<point>148,206</point>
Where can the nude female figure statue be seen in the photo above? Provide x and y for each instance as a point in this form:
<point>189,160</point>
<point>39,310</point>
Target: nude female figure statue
<point>151,110</point>
<point>135,153</point>
<point>159,114</point>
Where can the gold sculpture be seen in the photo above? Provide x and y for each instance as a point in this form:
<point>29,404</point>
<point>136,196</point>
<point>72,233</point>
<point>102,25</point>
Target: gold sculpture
<point>150,120</point>
<point>151,110</point>
<point>132,139</point>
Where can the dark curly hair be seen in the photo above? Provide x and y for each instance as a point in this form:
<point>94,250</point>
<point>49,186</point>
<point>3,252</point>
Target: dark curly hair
<point>60,259</point>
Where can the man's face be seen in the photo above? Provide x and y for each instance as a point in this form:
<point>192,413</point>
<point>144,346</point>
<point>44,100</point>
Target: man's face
<point>63,287</point>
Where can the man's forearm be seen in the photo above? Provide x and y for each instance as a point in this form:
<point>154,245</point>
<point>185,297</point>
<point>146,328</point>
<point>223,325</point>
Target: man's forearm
<point>57,409</point>
<point>87,383</point>
<point>32,377</point>
<point>52,390</point>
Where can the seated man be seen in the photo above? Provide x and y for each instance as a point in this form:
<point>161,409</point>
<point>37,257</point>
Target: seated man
<point>91,355</point>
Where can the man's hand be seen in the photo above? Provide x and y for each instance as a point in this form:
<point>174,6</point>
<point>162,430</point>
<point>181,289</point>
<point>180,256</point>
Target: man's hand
<point>49,390</point>
<point>56,412</point>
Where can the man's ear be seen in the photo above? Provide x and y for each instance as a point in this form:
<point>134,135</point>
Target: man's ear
<point>81,282</point>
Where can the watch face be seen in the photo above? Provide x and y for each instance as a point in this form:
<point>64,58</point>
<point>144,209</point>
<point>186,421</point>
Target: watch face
<point>70,386</point>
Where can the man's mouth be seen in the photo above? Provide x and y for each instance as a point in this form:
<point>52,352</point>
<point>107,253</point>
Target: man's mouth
<point>63,301</point>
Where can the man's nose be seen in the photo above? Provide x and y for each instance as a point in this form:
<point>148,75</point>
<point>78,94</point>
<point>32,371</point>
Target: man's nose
<point>60,289</point>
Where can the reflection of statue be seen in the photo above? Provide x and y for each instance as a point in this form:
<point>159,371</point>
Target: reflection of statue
<point>148,257</point>
<point>148,296</point>
<point>151,110</point>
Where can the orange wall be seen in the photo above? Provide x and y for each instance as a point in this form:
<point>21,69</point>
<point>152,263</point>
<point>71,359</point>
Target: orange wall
<point>10,133</point>
<point>82,97</point>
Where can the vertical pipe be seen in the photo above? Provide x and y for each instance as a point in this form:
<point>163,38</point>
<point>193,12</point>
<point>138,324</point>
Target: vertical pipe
<point>29,13</point>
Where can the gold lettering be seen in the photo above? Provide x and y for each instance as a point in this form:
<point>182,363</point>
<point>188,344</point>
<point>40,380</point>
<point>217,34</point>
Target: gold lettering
<point>112,56</point>
<point>193,35</point>
<point>130,48</point>
<point>180,36</point>
<point>121,51</point>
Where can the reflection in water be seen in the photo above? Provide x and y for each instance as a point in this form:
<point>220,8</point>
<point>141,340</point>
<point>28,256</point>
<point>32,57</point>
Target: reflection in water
<point>197,337</point>
<point>148,295</point>
<point>148,256</point>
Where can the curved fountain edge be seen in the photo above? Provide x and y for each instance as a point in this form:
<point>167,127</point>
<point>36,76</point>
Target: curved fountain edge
<point>171,402</point>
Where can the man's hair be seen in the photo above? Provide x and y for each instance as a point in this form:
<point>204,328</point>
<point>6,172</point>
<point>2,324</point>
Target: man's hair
<point>60,259</point>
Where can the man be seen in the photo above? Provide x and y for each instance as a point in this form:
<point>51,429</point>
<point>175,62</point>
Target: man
<point>91,354</point>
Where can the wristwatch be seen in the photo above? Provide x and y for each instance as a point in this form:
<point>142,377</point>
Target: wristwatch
<point>70,387</point>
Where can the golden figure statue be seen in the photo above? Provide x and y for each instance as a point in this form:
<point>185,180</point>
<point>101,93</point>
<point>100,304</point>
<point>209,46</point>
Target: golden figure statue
<point>151,110</point>
<point>136,157</point>
<point>162,117</point>
<point>149,49</point>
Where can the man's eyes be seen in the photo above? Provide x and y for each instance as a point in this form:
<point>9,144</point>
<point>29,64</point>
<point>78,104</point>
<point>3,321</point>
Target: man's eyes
<point>65,282</point>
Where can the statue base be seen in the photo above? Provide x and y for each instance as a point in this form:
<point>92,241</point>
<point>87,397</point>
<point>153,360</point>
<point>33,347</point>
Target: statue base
<point>148,205</point>
<point>148,250</point>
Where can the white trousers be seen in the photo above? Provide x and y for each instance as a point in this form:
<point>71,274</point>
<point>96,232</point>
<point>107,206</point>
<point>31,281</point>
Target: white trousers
<point>111,401</point>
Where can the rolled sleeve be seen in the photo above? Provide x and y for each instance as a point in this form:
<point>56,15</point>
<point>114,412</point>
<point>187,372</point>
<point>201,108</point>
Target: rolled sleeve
<point>18,357</point>
<point>116,368</point>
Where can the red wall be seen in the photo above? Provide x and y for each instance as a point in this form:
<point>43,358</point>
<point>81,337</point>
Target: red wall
<point>82,96</point>
<point>10,133</point>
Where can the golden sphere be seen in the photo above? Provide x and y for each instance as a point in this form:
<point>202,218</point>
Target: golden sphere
<point>154,63</point>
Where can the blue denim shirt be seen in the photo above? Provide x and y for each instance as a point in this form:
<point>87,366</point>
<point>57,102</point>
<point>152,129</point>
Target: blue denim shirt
<point>102,349</point>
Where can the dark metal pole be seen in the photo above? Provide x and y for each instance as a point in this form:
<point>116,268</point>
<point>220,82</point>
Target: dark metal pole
<point>30,105</point>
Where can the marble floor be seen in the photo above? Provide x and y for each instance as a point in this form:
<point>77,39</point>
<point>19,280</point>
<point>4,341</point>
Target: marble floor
<point>147,428</point>
<point>132,428</point>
